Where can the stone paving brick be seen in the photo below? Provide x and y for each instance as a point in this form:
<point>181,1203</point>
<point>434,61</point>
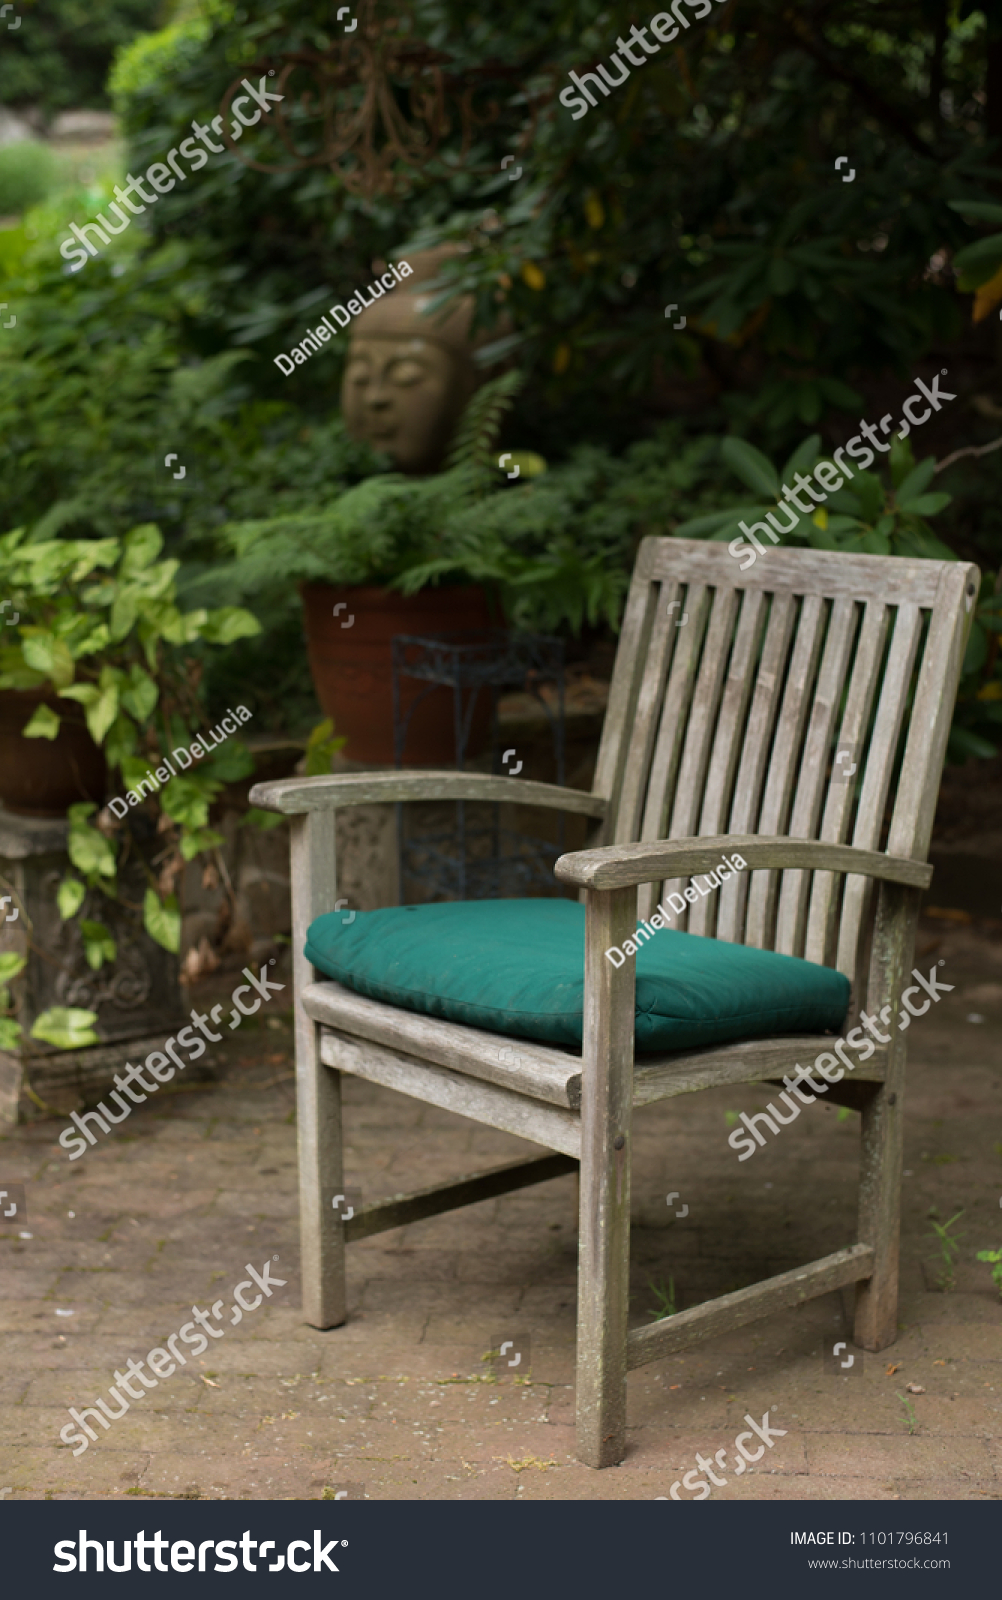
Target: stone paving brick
<point>25,1280</point>
<point>469,1403</point>
<point>572,1481</point>
<point>248,1476</point>
<point>40,1470</point>
<point>458,1480</point>
<point>900,1455</point>
<point>767,1487</point>
<point>495,1441</point>
<point>655,1449</point>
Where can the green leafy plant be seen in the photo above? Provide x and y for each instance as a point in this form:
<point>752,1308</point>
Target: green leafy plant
<point>979,262</point>
<point>949,1247</point>
<point>866,515</point>
<point>11,964</point>
<point>475,437</point>
<point>977,721</point>
<point>386,526</point>
<point>995,1257</point>
<point>558,548</point>
<point>320,746</point>
<point>67,1027</point>
<point>664,1295</point>
<point>98,625</point>
<point>910,1416</point>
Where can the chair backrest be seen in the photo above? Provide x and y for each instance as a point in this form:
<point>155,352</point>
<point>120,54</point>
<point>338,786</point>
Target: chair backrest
<point>729,721</point>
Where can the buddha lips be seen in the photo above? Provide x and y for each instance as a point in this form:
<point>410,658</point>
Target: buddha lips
<point>661,918</point>
<point>313,341</point>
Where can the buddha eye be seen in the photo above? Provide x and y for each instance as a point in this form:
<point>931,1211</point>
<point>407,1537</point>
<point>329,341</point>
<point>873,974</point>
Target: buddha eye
<point>406,372</point>
<point>358,372</point>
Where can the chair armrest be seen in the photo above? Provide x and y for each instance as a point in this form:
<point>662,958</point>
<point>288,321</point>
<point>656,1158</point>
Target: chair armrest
<point>621,866</point>
<point>295,795</point>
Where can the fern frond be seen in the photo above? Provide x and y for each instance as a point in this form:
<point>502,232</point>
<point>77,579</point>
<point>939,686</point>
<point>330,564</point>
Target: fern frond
<point>480,424</point>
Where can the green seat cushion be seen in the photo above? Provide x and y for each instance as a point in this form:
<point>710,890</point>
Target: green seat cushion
<point>517,967</point>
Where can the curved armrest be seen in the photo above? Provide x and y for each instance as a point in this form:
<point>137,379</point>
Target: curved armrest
<point>621,866</point>
<point>293,795</point>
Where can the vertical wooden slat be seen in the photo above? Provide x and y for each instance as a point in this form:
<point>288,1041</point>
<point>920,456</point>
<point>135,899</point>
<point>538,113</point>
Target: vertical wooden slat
<point>604,1225</point>
<point>783,760</point>
<point>842,787</point>
<point>646,715</point>
<point>791,916</point>
<point>932,711</point>
<point>688,796</point>
<point>726,746</point>
<point>631,657</point>
<point>892,703</point>
<point>755,754</point>
<point>318,1088</point>
<point>671,732</point>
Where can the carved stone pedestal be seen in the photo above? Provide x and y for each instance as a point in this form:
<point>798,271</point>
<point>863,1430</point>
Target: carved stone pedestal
<point>137,997</point>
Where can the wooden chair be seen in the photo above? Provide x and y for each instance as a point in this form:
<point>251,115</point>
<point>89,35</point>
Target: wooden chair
<point>720,734</point>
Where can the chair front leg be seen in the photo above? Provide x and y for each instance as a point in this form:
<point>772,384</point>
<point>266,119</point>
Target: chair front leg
<point>604,1212</point>
<point>881,1151</point>
<point>882,1131</point>
<point>321,1177</point>
<point>318,1088</point>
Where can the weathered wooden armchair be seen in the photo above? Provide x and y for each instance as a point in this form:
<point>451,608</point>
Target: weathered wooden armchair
<point>720,734</point>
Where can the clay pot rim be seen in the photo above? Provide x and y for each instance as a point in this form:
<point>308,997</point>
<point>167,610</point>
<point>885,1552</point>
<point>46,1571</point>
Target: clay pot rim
<point>372,594</point>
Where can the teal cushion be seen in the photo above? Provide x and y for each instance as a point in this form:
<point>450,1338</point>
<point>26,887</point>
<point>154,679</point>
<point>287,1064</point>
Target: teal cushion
<point>517,967</point>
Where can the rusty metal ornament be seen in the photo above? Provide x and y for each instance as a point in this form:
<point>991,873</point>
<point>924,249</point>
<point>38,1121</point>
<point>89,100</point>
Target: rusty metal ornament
<point>362,82</point>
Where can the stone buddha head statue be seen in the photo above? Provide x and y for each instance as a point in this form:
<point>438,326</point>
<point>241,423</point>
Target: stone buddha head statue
<point>408,375</point>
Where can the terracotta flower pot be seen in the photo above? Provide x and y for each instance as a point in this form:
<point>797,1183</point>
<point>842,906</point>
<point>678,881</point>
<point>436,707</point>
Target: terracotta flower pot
<point>352,667</point>
<point>42,777</point>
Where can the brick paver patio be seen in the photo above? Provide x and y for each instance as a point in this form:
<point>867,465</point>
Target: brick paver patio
<point>164,1213</point>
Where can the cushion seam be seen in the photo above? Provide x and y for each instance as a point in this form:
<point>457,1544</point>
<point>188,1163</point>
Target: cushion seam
<point>732,1018</point>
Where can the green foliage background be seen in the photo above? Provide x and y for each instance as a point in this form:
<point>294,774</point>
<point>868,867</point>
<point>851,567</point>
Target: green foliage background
<point>59,56</point>
<point>707,181</point>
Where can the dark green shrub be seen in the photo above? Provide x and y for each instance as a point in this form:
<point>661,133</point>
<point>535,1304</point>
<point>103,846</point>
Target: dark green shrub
<point>60,55</point>
<point>27,173</point>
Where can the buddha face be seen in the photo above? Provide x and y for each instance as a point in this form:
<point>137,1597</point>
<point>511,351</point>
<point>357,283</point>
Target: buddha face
<point>404,395</point>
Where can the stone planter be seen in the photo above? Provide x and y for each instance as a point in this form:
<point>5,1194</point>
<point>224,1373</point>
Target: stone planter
<point>137,997</point>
